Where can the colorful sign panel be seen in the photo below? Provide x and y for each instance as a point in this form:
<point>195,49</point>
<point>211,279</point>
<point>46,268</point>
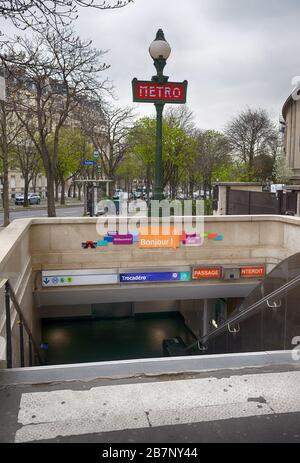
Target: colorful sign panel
<point>145,91</point>
<point>52,279</point>
<point>151,277</point>
<point>207,273</point>
<point>193,240</point>
<point>258,271</point>
<point>122,239</point>
<point>159,241</point>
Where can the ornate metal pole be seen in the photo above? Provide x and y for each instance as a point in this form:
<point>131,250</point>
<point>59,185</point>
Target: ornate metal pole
<point>159,64</point>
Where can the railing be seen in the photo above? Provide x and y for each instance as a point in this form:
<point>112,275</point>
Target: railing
<point>33,347</point>
<point>270,301</point>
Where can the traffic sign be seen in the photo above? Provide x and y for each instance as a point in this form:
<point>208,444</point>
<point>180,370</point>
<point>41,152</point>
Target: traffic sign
<point>145,91</point>
<point>89,163</point>
<point>96,154</point>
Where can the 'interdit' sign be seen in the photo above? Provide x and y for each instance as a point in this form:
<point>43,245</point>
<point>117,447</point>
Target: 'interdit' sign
<point>152,92</point>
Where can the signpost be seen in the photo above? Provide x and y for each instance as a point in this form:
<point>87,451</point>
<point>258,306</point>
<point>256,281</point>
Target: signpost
<point>159,91</point>
<point>150,92</point>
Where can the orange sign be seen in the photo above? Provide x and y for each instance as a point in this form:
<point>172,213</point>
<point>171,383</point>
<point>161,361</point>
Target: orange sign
<point>204,273</point>
<point>159,241</point>
<point>253,272</point>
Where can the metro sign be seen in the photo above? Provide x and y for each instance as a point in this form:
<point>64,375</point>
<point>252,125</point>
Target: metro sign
<point>145,91</point>
<point>253,272</point>
<point>207,273</point>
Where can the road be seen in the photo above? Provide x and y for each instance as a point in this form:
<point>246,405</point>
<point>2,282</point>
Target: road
<point>61,212</point>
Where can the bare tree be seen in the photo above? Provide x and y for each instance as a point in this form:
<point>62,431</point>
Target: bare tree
<point>9,130</point>
<point>53,74</point>
<point>108,128</point>
<point>181,117</point>
<point>250,134</point>
<point>212,150</point>
<point>57,13</point>
<point>27,159</point>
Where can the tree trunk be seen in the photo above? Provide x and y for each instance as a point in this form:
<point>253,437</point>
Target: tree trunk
<point>56,189</point>
<point>191,188</point>
<point>74,190</point>
<point>79,191</point>
<point>70,191</point>
<point>5,190</point>
<point>111,187</point>
<point>50,195</point>
<point>5,167</point>
<point>26,188</point>
<point>62,194</point>
<point>34,180</point>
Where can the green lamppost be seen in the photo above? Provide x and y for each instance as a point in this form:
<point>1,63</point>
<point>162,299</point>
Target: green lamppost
<point>160,92</point>
<point>159,51</point>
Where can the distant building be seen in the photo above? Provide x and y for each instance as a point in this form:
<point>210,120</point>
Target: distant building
<point>290,127</point>
<point>16,184</point>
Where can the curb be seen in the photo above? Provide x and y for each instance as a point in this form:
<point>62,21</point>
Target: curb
<point>22,209</point>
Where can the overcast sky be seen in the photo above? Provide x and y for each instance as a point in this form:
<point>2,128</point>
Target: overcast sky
<point>234,53</point>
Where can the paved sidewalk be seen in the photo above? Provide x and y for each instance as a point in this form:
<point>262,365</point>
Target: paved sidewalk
<point>248,405</point>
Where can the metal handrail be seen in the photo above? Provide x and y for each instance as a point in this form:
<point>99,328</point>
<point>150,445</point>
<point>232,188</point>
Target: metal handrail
<point>10,296</point>
<point>237,318</point>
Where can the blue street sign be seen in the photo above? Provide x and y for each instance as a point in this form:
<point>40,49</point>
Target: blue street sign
<point>89,163</point>
<point>147,277</point>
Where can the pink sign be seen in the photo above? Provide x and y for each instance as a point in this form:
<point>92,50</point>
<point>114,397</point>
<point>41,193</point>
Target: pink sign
<point>122,239</point>
<point>193,241</point>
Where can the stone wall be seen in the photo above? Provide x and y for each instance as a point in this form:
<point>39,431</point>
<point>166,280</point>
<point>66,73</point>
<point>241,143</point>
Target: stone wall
<point>28,246</point>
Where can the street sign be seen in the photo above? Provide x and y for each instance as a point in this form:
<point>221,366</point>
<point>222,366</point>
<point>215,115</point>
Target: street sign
<point>145,91</point>
<point>89,163</point>
<point>59,278</point>
<point>207,273</point>
<point>253,272</point>
<point>152,277</point>
<point>96,154</point>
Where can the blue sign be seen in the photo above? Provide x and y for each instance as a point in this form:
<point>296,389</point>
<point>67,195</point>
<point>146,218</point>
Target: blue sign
<point>46,281</point>
<point>148,277</point>
<point>89,163</point>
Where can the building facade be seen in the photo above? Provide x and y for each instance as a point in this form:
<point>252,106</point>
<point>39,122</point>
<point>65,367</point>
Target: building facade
<point>291,129</point>
<point>16,184</point>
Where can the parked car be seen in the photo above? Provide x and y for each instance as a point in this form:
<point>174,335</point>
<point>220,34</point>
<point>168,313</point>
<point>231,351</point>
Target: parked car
<point>33,198</point>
